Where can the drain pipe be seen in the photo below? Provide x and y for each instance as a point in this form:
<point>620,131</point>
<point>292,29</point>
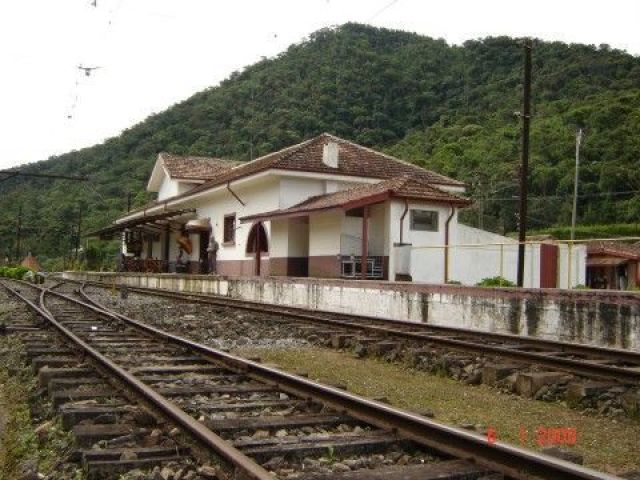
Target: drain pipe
<point>234,194</point>
<point>404,214</point>
<point>446,244</point>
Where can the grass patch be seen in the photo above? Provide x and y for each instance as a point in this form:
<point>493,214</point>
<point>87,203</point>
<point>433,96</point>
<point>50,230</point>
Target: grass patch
<point>18,441</point>
<point>607,445</point>
<point>20,446</point>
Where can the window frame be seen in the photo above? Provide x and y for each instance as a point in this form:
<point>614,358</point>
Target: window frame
<point>435,225</point>
<point>232,239</point>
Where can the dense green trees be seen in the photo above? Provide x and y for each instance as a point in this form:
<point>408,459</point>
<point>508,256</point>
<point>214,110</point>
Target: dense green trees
<point>449,108</point>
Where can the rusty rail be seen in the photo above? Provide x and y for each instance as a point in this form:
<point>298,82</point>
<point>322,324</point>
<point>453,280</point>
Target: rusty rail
<point>208,438</point>
<point>514,462</point>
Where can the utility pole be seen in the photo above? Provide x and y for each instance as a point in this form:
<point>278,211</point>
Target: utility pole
<point>19,234</point>
<point>79,229</point>
<point>579,136</point>
<point>129,197</point>
<point>524,167</point>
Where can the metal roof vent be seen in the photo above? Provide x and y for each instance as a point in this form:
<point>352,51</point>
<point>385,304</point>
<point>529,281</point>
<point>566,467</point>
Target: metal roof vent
<point>330,154</point>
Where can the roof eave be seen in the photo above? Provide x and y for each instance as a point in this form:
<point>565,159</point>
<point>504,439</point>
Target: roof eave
<point>155,179</point>
<point>460,202</point>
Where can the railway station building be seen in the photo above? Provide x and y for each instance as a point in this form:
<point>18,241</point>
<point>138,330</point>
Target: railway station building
<point>326,208</point>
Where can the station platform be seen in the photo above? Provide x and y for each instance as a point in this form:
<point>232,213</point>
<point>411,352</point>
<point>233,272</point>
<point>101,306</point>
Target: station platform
<point>603,318</point>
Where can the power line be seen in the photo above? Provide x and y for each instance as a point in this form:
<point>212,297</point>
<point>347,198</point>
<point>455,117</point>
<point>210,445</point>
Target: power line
<point>16,173</point>
<point>544,197</point>
<point>85,70</point>
<point>387,6</point>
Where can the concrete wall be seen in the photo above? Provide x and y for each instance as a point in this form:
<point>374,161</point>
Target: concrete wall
<point>258,196</point>
<point>426,265</point>
<point>577,255</point>
<point>378,244</point>
<point>596,317</point>
<point>477,254</point>
<point>473,257</point>
<point>290,247</point>
<point>168,188</point>
<point>324,233</point>
<point>296,190</point>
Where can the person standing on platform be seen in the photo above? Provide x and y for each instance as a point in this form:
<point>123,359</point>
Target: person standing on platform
<point>212,251</point>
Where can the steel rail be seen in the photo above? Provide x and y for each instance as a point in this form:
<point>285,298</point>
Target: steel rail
<point>514,462</point>
<point>581,367</point>
<point>180,417</point>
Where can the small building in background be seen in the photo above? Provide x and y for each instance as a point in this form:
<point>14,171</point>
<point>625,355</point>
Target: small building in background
<point>613,265</point>
<point>31,263</point>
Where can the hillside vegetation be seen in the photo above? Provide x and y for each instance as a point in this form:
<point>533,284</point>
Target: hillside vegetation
<point>449,108</point>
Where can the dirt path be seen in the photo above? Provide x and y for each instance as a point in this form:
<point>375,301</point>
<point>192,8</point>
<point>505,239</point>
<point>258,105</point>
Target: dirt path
<point>3,418</point>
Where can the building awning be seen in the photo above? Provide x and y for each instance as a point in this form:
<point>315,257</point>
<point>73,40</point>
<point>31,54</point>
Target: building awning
<point>157,221</point>
<point>605,261</point>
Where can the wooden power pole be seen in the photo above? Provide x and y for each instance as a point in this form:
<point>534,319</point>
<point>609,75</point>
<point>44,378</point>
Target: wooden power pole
<point>576,179</point>
<point>78,232</point>
<point>524,166</point>
<point>19,234</point>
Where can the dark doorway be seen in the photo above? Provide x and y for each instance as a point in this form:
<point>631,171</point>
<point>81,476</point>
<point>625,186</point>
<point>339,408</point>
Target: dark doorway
<point>204,255</point>
<point>257,244</point>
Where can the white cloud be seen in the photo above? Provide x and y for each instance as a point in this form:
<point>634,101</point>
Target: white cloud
<point>154,53</point>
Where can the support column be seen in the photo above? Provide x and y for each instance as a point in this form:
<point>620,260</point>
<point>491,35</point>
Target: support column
<point>258,247</point>
<point>167,244</point>
<point>365,242</point>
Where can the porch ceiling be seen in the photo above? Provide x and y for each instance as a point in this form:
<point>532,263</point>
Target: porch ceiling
<point>156,221</point>
<point>605,261</point>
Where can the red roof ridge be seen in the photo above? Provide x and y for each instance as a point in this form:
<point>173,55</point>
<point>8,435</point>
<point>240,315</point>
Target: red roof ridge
<point>288,151</point>
<point>199,157</point>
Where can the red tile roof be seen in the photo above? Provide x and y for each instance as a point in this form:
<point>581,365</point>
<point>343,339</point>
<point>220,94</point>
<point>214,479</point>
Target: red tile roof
<point>354,160</point>
<point>195,168</point>
<point>399,187</point>
<point>614,249</point>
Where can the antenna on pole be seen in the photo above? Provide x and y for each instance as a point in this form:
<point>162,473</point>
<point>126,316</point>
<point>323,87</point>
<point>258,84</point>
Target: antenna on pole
<point>579,137</point>
<point>524,166</point>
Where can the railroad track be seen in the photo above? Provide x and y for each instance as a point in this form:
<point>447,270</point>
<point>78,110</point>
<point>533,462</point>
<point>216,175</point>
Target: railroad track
<point>268,423</point>
<point>608,364</point>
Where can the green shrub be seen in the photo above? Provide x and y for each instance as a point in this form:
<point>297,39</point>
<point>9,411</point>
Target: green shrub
<point>495,282</point>
<point>13,272</point>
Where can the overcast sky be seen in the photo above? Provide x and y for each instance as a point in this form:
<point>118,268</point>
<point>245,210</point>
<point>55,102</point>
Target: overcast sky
<point>154,53</point>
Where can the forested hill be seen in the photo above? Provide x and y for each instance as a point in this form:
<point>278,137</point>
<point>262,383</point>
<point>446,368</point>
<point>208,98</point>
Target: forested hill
<point>450,108</point>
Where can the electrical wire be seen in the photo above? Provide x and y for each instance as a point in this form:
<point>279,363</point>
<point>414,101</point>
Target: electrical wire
<point>551,197</point>
<point>86,72</point>
<point>383,9</point>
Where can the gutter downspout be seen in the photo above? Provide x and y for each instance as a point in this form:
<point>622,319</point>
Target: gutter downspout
<point>234,194</point>
<point>404,214</point>
<point>446,244</point>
